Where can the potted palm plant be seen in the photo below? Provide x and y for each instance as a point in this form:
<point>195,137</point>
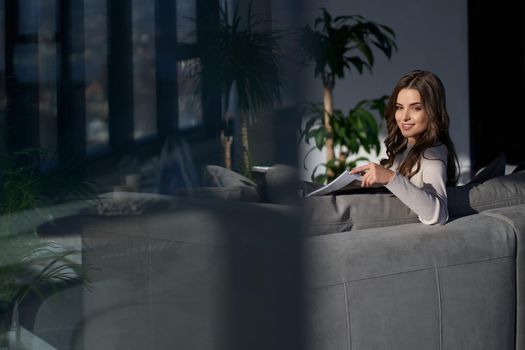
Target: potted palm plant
<point>336,45</point>
<point>248,65</point>
<point>29,265</point>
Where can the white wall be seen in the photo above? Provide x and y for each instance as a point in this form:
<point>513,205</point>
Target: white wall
<point>431,35</point>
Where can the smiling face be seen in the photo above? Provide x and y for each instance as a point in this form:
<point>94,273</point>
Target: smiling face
<point>411,116</point>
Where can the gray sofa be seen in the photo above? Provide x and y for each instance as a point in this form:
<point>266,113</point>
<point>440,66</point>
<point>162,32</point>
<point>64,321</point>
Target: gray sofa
<point>382,280</point>
<point>457,286</point>
<point>196,274</point>
<point>212,274</point>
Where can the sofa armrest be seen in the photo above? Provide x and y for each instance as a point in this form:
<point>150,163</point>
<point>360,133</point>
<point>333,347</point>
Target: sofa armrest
<point>354,255</point>
<point>413,287</point>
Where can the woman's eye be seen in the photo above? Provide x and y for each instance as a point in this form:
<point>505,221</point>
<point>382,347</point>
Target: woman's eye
<point>398,108</point>
<point>417,109</point>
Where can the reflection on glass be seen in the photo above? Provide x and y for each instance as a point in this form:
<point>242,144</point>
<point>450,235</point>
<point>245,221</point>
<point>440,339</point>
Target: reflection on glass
<point>144,89</point>
<point>25,63</point>
<point>95,63</point>
<point>36,63</point>
<point>190,105</point>
<point>186,25</point>
<point>2,40</point>
<point>76,42</point>
<point>47,19</point>
<point>47,95</point>
<point>3,93</point>
<point>27,17</point>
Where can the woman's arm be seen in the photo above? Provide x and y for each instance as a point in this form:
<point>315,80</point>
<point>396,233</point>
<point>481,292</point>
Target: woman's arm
<point>428,202</point>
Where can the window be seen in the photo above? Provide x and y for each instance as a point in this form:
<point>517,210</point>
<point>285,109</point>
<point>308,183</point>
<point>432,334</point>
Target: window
<point>100,76</point>
<point>186,23</point>
<point>188,67</point>
<point>96,75</point>
<point>144,82</point>
<point>3,93</point>
<point>47,74</point>
<point>189,93</point>
<point>28,17</point>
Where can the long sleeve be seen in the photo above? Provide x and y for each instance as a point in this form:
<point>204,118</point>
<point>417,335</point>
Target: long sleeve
<point>429,201</point>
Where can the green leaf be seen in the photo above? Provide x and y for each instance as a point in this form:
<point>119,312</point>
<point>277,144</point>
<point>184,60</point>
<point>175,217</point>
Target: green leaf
<point>247,56</point>
<point>306,156</point>
<point>379,105</point>
<point>320,136</point>
<point>353,146</point>
<point>365,49</point>
<point>388,29</point>
<point>318,178</point>
<point>308,126</point>
<point>327,18</point>
<point>338,37</point>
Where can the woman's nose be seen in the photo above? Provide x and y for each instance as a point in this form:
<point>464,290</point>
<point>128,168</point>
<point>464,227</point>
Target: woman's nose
<point>406,115</point>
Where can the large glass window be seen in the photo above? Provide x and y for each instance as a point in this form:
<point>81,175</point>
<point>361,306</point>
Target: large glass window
<point>58,60</point>
<point>3,92</point>
<point>186,22</point>
<point>2,57</point>
<point>2,37</point>
<point>47,74</point>
<point>189,91</point>
<point>144,83</point>
<point>95,73</point>
<point>26,63</point>
<point>27,17</point>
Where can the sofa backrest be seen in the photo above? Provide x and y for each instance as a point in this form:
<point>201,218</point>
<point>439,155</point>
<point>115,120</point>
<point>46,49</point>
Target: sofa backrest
<point>329,214</point>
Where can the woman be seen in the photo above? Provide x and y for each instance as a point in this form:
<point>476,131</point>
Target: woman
<point>421,157</point>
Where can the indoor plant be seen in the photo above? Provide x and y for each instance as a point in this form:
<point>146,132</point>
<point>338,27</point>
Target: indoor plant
<point>29,265</point>
<point>352,131</point>
<point>336,45</point>
<point>247,58</point>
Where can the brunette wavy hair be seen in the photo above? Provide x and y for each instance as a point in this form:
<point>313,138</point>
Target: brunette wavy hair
<point>433,100</point>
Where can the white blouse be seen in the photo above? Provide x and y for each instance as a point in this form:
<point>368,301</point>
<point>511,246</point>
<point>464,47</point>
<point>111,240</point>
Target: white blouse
<point>425,193</point>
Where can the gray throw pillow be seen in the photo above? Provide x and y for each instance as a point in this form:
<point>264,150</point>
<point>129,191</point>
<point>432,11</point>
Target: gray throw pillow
<point>330,214</point>
<point>520,167</point>
<point>502,191</point>
<point>222,183</point>
<point>217,176</point>
<point>494,169</point>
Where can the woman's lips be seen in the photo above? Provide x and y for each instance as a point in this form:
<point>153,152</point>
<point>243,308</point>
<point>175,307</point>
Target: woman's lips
<point>407,126</point>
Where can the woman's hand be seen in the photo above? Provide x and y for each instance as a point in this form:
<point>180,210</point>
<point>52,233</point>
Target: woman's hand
<point>373,174</point>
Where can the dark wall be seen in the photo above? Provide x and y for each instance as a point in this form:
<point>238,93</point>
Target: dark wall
<point>497,80</point>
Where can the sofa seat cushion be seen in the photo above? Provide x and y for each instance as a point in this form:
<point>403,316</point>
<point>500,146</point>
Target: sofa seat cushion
<point>329,214</point>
